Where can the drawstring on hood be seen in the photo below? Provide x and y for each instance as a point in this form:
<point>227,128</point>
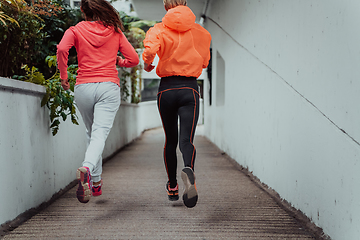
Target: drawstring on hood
<point>179,18</point>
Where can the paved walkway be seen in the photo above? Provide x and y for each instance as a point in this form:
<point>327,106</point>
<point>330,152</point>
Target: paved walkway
<point>134,203</point>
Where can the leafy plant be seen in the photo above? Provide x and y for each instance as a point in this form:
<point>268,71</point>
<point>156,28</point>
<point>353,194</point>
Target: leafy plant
<point>30,31</point>
<point>125,92</point>
<point>142,24</point>
<point>55,26</point>
<point>4,18</point>
<point>135,33</point>
<point>135,84</point>
<point>20,40</point>
<point>59,102</point>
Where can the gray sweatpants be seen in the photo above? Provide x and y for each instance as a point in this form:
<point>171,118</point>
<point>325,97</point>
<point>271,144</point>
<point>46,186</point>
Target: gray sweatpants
<point>98,104</point>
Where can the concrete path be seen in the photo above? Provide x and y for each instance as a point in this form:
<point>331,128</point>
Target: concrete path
<point>134,203</point>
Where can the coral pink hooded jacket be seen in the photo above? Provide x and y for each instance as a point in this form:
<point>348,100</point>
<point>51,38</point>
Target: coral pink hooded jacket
<point>182,45</point>
<point>97,47</point>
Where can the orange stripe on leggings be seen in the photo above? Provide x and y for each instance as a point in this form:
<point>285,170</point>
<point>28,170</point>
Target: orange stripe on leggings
<point>167,171</point>
<point>192,130</point>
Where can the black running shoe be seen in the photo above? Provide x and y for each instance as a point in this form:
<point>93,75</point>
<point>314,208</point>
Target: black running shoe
<point>173,193</point>
<point>190,195</point>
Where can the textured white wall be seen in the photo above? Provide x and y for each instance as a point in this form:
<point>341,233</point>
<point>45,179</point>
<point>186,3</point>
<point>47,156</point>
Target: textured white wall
<point>34,164</point>
<point>291,111</point>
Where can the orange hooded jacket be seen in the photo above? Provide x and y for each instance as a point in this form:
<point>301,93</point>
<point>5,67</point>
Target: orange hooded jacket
<point>182,45</point>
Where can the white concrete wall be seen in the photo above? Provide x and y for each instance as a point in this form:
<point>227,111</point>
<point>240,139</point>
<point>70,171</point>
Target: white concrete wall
<point>285,101</point>
<point>34,164</point>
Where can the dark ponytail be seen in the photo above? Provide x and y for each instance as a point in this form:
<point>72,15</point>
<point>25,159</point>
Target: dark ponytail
<point>103,11</point>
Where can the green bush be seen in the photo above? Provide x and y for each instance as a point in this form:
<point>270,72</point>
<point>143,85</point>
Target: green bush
<point>20,41</point>
<point>33,34</point>
<point>59,101</point>
<point>55,27</point>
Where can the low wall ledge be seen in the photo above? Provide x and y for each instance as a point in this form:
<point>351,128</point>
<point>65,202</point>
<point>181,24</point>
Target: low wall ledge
<point>20,86</point>
<point>126,104</point>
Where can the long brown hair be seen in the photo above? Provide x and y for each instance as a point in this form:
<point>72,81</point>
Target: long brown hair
<point>103,11</point>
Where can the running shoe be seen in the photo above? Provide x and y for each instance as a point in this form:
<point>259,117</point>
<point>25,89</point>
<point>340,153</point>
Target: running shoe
<point>173,193</point>
<point>96,190</point>
<point>190,195</point>
<point>83,193</point>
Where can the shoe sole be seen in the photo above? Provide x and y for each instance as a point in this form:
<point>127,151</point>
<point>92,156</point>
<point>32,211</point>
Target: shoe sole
<point>190,195</point>
<point>173,198</point>
<point>83,193</point>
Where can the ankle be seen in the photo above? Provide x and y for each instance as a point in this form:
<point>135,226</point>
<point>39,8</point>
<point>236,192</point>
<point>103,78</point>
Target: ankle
<point>97,183</point>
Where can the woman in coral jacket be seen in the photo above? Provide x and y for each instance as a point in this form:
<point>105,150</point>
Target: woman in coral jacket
<point>97,91</point>
<point>183,47</point>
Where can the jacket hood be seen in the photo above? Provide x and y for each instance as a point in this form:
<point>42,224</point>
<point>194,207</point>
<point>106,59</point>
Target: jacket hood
<point>94,32</point>
<point>179,18</point>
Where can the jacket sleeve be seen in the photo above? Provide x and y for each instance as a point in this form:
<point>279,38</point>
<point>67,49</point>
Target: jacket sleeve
<point>151,45</point>
<point>62,54</point>
<point>206,61</point>
<point>207,58</point>
<point>131,57</point>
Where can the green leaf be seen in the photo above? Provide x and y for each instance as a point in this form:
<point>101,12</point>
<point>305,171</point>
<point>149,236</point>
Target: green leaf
<point>65,101</point>
<point>63,115</point>
<point>57,100</point>
<point>73,109</point>
<point>53,114</point>
<point>51,61</point>
<point>73,120</point>
<point>26,68</point>
<point>55,123</point>
<point>45,99</point>
<point>38,78</point>
<point>55,131</point>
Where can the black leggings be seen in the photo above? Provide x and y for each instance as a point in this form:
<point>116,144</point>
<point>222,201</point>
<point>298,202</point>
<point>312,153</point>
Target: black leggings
<point>178,96</point>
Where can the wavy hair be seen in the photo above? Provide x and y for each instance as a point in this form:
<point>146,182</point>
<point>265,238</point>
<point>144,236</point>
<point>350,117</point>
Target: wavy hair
<point>103,11</point>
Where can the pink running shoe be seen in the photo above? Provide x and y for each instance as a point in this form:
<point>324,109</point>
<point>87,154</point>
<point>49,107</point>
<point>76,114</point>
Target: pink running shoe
<point>96,190</point>
<point>83,193</point>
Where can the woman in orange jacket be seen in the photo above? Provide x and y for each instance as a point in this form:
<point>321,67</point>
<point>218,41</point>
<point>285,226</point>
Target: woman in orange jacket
<point>183,47</point>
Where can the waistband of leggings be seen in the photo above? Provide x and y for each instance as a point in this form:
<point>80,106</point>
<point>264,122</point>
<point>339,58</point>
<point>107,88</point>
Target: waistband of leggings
<point>178,82</point>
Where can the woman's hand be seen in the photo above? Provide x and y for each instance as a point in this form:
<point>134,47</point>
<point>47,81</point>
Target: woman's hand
<point>148,67</point>
<point>118,60</point>
<point>65,84</point>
